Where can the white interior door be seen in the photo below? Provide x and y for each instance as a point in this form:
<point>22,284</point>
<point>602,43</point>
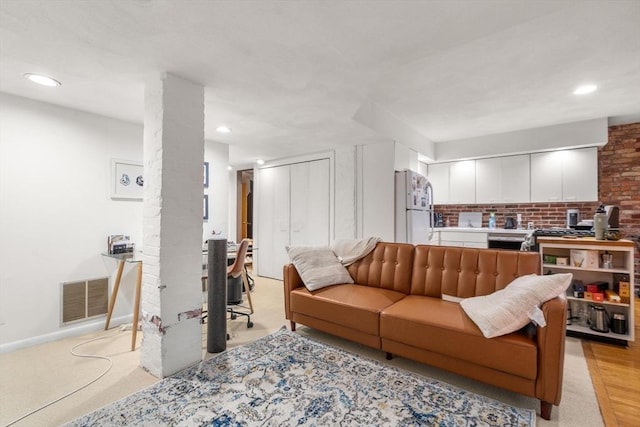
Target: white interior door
<point>273,221</point>
<point>310,203</point>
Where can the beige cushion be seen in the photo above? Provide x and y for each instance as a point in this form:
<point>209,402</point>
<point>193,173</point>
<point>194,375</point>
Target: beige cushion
<point>511,308</point>
<point>318,266</point>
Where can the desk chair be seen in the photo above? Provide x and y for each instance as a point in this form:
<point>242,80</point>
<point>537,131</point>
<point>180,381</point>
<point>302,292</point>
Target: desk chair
<point>235,271</point>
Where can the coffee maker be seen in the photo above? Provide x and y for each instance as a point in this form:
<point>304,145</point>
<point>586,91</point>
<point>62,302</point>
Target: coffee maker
<point>613,217</point>
<point>439,220</point>
<point>573,218</point>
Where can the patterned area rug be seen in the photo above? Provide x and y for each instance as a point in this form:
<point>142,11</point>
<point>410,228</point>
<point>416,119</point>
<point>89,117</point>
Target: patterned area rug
<point>287,379</point>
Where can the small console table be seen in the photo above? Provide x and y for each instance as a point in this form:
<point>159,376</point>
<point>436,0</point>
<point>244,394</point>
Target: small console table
<point>122,260</point>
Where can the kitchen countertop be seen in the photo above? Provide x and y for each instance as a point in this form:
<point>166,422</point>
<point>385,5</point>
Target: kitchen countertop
<point>483,230</point>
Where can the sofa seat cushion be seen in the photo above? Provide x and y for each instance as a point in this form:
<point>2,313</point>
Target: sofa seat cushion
<point>351,305</point>
<point>443,327</point>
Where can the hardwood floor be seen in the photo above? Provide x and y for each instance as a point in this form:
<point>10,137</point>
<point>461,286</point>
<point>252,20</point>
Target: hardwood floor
<point>615,372</point>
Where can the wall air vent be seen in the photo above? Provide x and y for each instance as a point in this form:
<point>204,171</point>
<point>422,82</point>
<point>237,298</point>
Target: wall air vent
<point>85,299</point>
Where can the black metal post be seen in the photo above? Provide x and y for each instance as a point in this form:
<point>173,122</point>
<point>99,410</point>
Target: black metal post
<point>217,296</point>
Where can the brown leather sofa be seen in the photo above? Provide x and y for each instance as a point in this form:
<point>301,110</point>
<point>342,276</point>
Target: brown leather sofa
<point>396,305</point>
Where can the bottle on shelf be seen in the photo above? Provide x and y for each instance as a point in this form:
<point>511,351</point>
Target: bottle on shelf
<point>492,220</point>
<point>600,223</point>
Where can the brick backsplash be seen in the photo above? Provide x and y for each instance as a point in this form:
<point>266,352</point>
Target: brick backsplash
<point>618,184</point>
<point>543,215</point>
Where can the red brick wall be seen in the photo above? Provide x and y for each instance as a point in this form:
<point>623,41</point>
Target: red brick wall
<point>618,181</point>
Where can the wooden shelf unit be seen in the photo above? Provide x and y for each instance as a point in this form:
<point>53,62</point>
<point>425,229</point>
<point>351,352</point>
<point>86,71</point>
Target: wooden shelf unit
<point>623,257</point>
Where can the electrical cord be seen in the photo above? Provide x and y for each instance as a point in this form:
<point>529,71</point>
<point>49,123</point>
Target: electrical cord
<point>73,352</point>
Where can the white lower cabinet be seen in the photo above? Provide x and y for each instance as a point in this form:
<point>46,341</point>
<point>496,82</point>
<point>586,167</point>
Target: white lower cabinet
<point>584,258</point>
<point>467,239</point>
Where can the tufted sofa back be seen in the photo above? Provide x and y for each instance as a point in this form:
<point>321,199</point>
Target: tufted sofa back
<point>467,272</point>
<point>388,266</point>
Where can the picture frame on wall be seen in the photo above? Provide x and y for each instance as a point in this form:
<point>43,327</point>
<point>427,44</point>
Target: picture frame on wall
<point>206,174</point>
<point>127,179</point>
<point>205,208</point>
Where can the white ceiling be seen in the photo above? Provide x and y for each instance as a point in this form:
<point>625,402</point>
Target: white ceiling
<point>289,76</point>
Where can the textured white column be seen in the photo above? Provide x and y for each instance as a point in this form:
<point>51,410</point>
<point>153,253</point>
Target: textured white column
<point>172,225</point>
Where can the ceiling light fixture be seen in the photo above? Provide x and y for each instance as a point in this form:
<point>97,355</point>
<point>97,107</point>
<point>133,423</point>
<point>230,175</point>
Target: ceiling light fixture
<point>260,162</point>
<point>585,89</point>
<point>223,129</point>
<point>229,168</point>
<point>42,80</point>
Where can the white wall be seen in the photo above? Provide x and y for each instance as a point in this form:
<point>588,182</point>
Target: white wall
<point>586,133</point>
<point>56,213</point>
<point>345,193</point>
<point>376,189</point>
<point>217,154</point>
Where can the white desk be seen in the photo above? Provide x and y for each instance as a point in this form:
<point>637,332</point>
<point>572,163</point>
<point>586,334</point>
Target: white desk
<point>122,259</point>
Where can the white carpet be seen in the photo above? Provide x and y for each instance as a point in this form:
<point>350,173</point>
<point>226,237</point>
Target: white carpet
<point>579,406</point>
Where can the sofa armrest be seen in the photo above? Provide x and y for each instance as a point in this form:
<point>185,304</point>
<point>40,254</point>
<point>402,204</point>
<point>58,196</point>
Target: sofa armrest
<point>550,340</point>
<point>292,281</point>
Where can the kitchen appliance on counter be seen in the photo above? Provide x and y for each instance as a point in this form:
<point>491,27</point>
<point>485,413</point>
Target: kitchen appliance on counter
<point>510,223</point>
<point>573,218</point>
<point>414,213</point>
<point>561,232</point>
<point>439,219</point>
<point>613,217</point>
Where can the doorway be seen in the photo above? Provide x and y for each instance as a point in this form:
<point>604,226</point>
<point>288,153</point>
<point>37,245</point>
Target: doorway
<point>245,205</point>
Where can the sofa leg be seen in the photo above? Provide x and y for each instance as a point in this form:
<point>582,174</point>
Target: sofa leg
<point>545,410</point>
<point>389,356</point>
<point>293,325</point>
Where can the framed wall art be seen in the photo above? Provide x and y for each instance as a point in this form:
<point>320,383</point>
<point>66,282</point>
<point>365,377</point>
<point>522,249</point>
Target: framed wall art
<point>206,174</point>
<point>205,208</point>
<point>127,179</point>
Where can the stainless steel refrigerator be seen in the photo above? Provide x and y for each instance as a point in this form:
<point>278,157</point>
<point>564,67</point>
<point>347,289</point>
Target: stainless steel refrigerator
<point>413,208</point>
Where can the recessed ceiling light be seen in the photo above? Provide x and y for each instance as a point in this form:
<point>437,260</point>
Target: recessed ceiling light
<point>585,89</point>
<point>260,162</point>
<point>42,80</point>
<point>223,129</point>
<point>229,168</point>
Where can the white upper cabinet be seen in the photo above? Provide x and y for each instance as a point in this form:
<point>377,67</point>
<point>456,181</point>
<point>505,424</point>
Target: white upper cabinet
<point>567,175</point>
<point>580,175</point>
<point>453,183</point>
<point>503,179</point>
<point>489,180</point>
<point>438,175</point>
<point>546,177</point>
<point>462,182</point>
<point>516,179</point>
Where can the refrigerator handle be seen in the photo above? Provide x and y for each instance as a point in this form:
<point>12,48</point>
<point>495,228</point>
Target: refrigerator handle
<point>431,212</point>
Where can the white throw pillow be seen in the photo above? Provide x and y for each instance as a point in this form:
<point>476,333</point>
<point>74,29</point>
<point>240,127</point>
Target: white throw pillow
<point>511,308</point>
<point>318,266</point>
